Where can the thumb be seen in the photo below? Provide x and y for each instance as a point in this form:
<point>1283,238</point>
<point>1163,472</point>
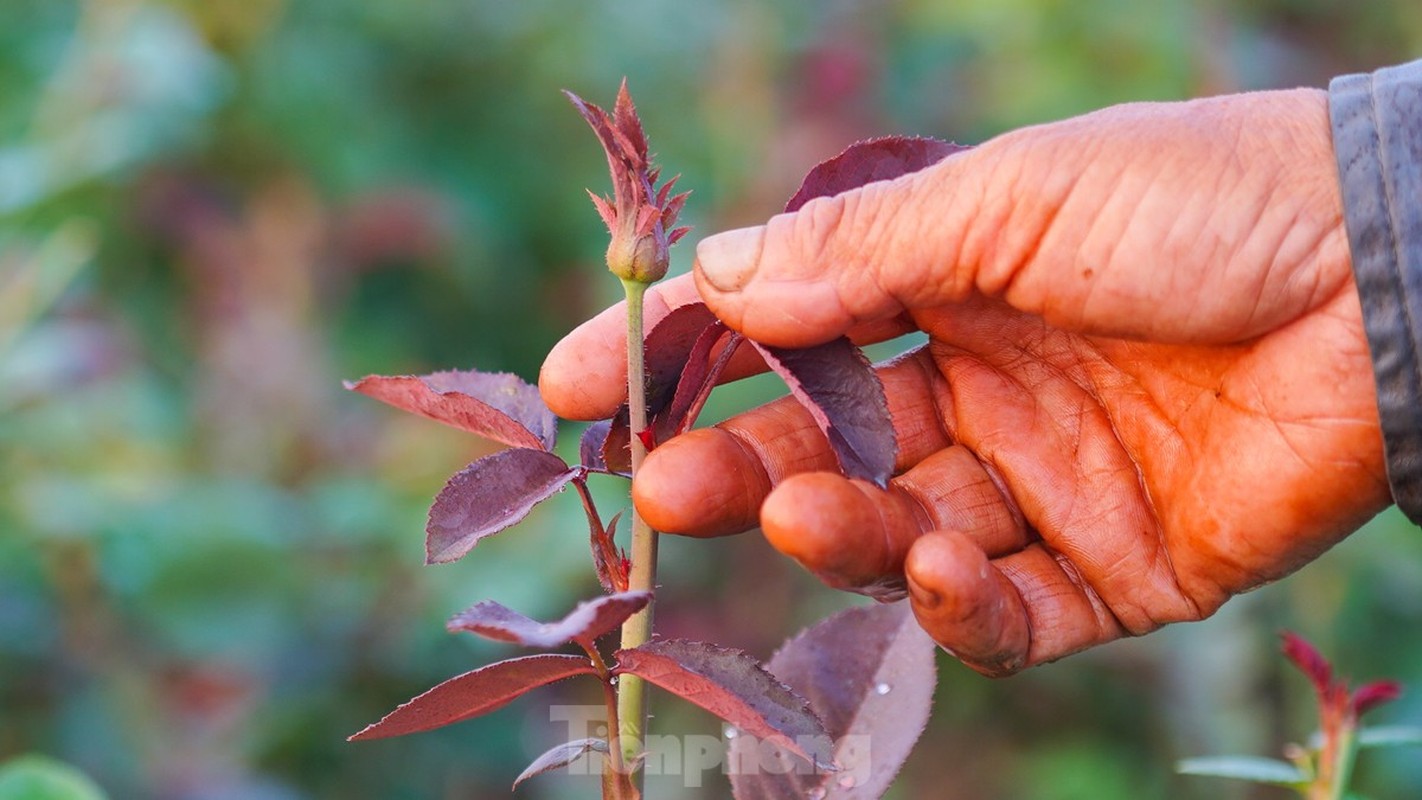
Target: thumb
<point>838,262</point>
<point>1188,222</point>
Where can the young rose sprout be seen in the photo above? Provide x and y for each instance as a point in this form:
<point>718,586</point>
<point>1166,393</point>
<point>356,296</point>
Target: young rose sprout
<point>639,216</point>
<point>1338,707</point>
<point>1323,769</point>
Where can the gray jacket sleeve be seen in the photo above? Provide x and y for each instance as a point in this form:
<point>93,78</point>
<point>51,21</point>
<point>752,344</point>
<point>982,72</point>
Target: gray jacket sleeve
<point>1377,138</point>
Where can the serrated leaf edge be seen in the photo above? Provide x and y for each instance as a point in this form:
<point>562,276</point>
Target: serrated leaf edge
<point>802,703</point>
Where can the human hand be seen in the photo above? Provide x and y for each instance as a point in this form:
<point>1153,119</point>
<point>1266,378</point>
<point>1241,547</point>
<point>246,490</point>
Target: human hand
<point>1146,386</point>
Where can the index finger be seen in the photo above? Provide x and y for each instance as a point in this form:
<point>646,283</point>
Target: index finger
<point>585,375</point>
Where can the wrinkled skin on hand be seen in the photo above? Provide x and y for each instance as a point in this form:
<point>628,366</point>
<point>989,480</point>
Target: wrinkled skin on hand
<point>1146,387</point>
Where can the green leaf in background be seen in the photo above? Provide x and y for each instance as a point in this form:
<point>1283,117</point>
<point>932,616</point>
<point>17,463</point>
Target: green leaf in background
<point>1247,768</point>
<point>43,778</point>
<point>1390,736</point>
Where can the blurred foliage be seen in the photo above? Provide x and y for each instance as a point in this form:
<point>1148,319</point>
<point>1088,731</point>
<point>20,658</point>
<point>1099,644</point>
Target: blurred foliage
<point>34,777</point>
<point>213,210</point>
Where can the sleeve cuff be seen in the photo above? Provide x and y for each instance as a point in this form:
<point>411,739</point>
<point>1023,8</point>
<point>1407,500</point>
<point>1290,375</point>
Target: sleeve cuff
<point>1377,139</point>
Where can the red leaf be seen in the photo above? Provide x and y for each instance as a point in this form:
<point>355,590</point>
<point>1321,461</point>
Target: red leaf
<point>560,756</point>
<point>1371,695</point>
<point>1312,663</point>
<point>836,383</point>
<point>488,496</point>
<point>869,674</point>
<point>734,687</point>
<point>583,624</point>
<point>495,405</point>
<point>474,693</point>
<point>624,115</point>
<point>868,161</point>
<point>696,380</point>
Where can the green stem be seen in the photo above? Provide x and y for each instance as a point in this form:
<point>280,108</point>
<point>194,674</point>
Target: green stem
<point>1344,757</point>
<point>631,694</point>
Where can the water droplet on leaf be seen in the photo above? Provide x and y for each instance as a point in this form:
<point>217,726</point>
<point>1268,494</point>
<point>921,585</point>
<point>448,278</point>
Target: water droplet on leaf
<point>883,688</point>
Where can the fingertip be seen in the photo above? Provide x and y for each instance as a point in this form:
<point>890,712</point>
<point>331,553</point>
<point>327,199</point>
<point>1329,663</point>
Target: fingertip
<point>835,263</point>
<point>850,534</point>
<point>759,282</point>
<point>702,484</point>
<point>584,376</point>
<point>805,517</point>
<point>799,313</point>
<point>727,261</point>
<point>966,604</point>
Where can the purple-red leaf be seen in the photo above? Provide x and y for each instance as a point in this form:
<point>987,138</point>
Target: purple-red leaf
<point>617,444</point>
<point>495,405</point>
<point>488,496</point>
<point>561,756</point>
<point>583,624</point>
<point>696,381</point>
<point>609,563</point>
<point>869,673</point>
<point>868,161</point>
<point>591,444</point>
<point>669,344</point>
<point>734,687</point>
<point>836,383</point>
<point>474,693</point>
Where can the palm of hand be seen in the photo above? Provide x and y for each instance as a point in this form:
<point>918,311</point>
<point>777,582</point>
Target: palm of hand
<point>1139,484</point>
<point>1118,485</point>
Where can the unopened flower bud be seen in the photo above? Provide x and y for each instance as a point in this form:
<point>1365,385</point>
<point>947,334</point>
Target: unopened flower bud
<point>640,217</point>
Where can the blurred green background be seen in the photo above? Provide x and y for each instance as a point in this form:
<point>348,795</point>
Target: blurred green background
<point>211,211</point>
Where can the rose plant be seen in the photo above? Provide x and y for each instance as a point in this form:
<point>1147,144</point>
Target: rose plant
<point>835,712</point>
